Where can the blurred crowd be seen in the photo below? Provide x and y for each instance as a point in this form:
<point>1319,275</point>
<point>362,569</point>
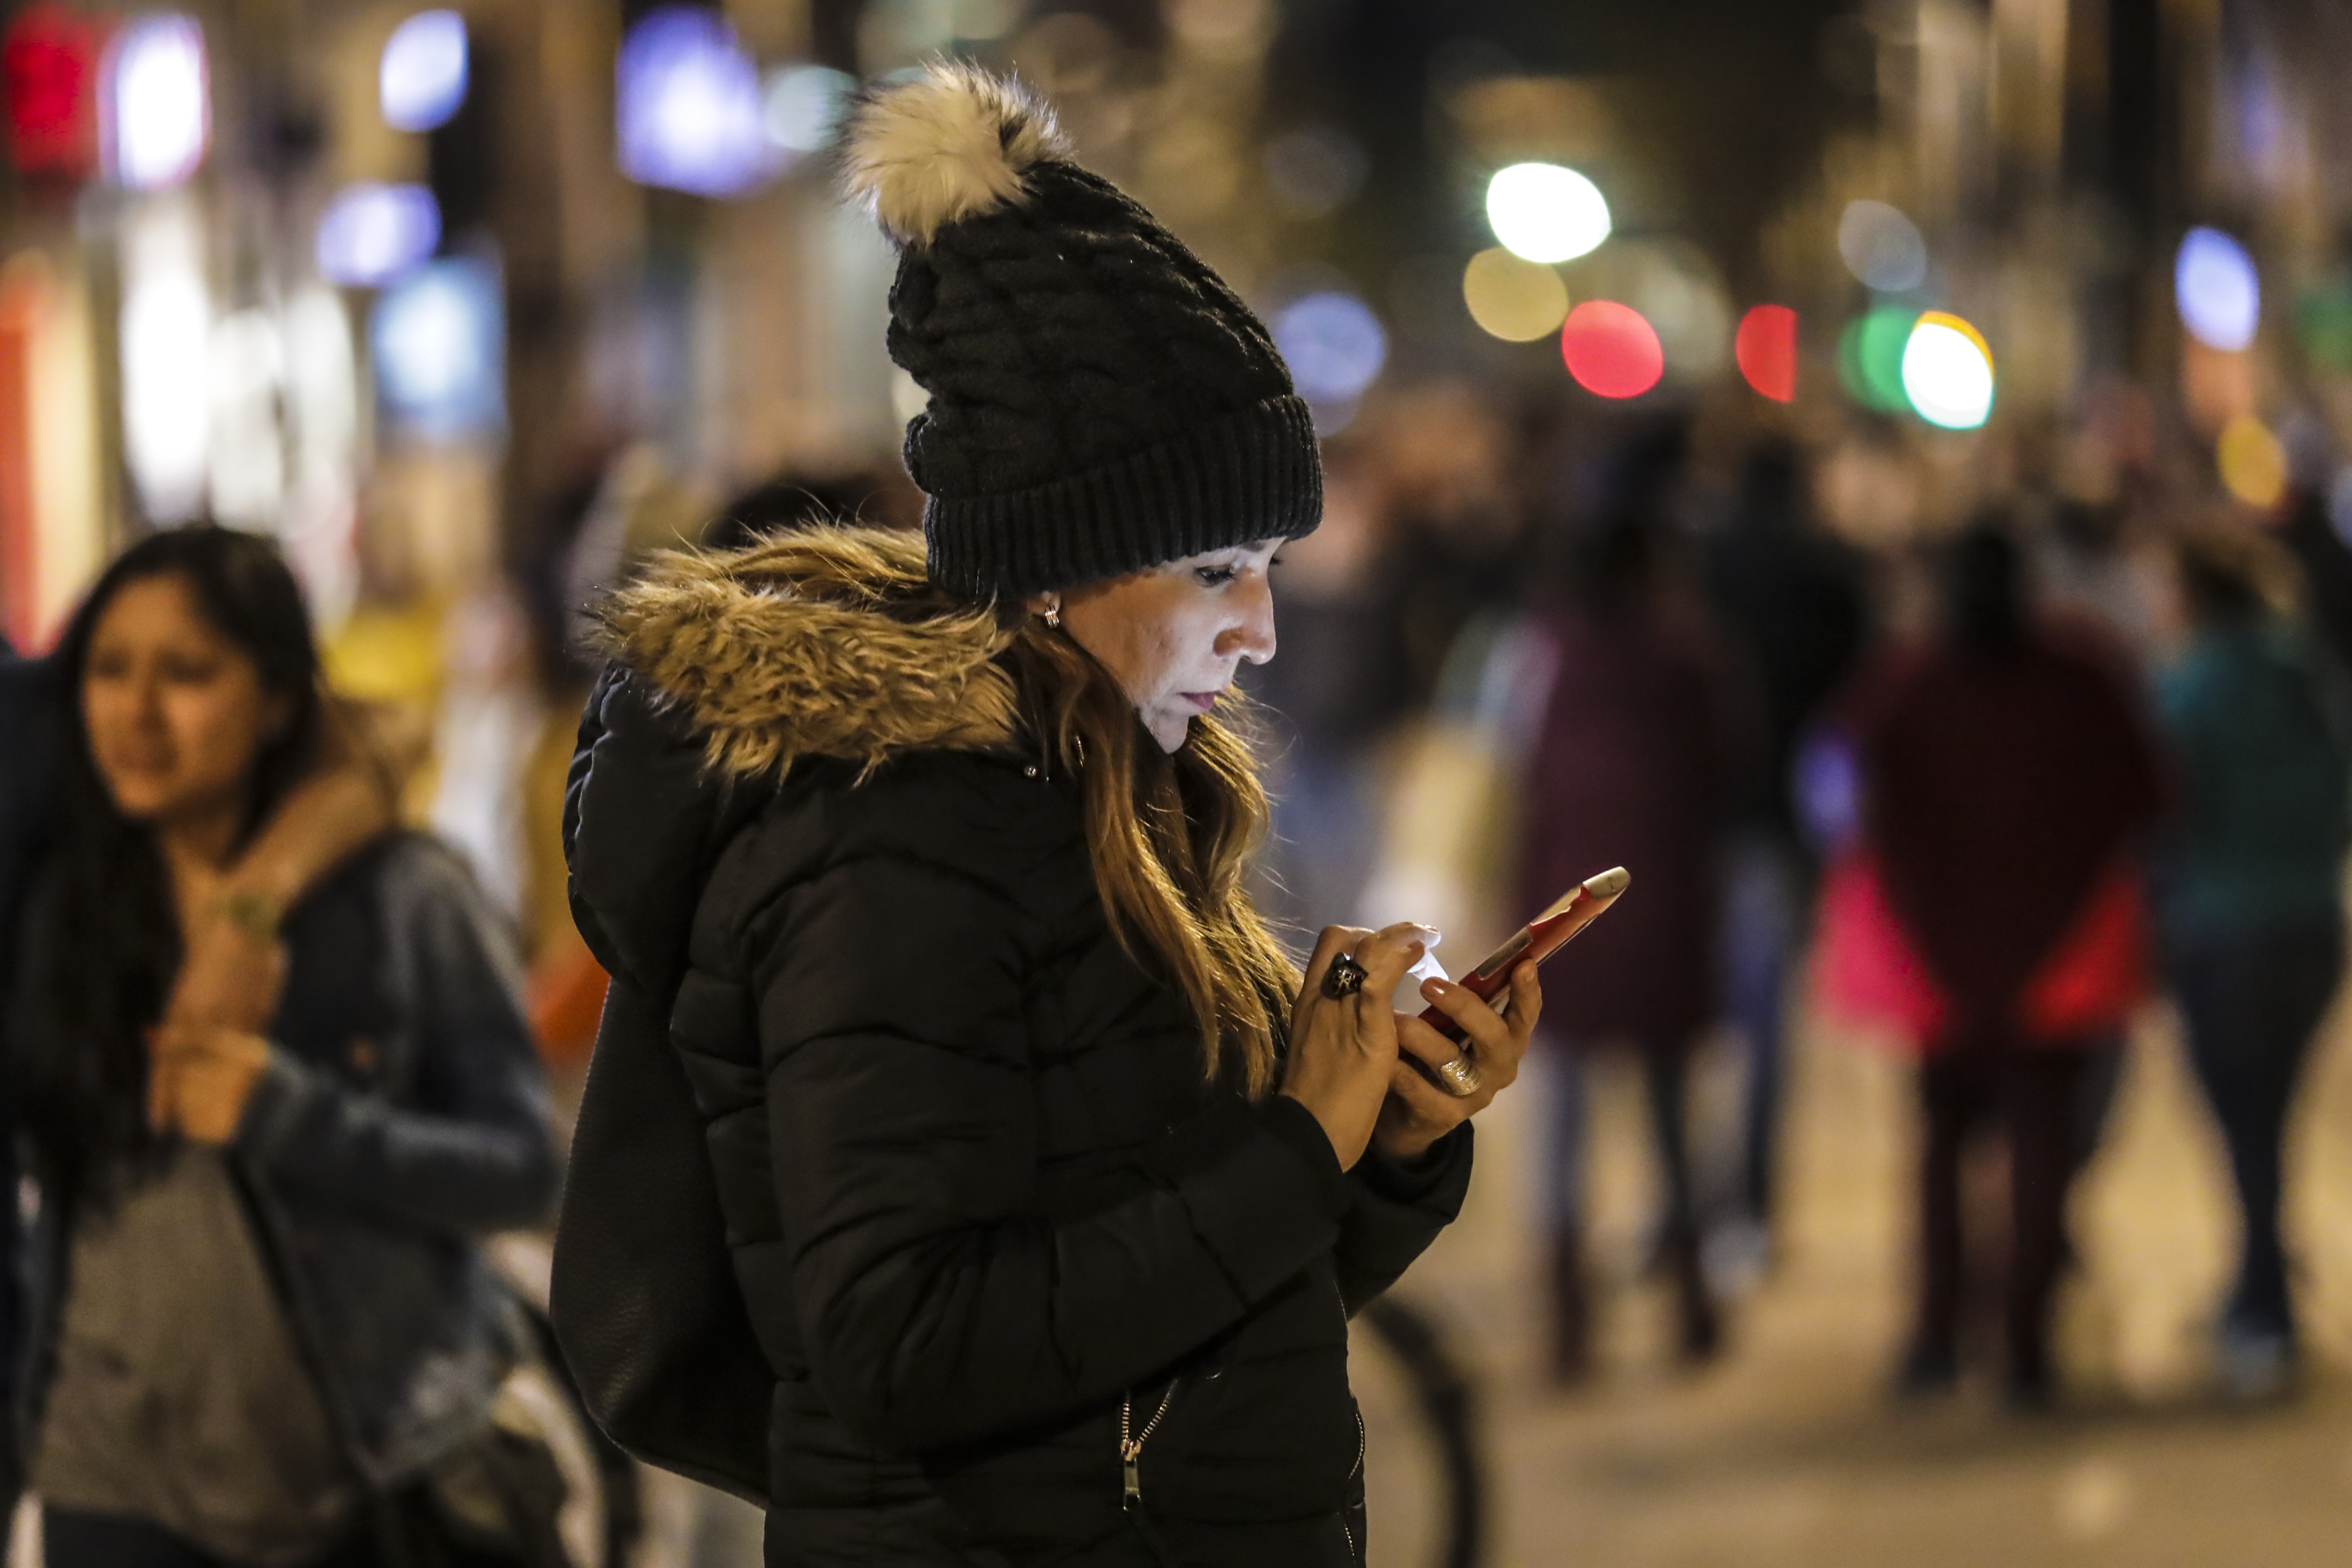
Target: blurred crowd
<point>1975,762</point>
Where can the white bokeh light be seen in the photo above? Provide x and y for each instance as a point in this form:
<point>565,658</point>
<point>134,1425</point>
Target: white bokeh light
<point>1541,212</point>
<point>1946,373</point>
<point>802,106</point>
<point>166,417</point>
<point>421,81</point>
<point>158,102</point>
<point>1882,246</point>
<point>248,461</point>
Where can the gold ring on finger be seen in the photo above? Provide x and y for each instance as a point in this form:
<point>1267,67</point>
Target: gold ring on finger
<point>1462,1078</point>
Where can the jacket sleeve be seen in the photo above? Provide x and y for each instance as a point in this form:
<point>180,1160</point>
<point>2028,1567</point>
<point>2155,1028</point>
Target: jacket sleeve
<point>472,1149</point>
<point>938,1301</point>
<point>1397,1212</point>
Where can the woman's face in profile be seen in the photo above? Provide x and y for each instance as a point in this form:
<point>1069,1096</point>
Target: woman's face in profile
<point>1173,634</point>
<point>175,711</point>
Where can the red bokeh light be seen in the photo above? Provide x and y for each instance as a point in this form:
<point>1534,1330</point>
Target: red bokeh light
<point>1611,349</point>
<point>1767,351</point>
<point>48,70</point>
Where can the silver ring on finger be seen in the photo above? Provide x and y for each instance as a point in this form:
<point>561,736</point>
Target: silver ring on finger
<point>1462,1078</point>
<point>1344,978</point>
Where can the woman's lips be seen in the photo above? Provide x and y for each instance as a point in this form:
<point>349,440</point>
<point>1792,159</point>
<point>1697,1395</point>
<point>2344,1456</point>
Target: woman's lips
<point>1203,700</point>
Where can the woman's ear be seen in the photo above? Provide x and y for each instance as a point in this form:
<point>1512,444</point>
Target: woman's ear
<point>1043,604</point>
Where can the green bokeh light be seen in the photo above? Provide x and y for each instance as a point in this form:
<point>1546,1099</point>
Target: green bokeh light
<point>1870,358</point>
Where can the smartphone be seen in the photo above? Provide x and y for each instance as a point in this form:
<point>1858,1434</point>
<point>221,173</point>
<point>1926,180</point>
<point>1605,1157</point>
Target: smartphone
<point>1533,942</point>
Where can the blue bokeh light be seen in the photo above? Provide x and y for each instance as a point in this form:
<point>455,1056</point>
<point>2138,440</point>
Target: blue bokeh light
<point>1825,782</point>
<point>690,111</point>
<point>1334,343</point>
<point>372,233</point>
<point>2218,290</point>
<point>439,340</point>
<point>422,79</point>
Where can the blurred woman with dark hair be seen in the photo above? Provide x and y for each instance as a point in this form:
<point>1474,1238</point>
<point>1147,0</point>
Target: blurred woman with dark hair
<point>2251,893</point>
<point>255,1307</point>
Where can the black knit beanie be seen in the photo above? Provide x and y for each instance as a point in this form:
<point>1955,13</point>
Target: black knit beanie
<point>1100,401</point>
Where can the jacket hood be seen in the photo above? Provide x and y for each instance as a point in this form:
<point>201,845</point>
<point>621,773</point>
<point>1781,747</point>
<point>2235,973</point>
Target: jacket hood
<point>828,642</point>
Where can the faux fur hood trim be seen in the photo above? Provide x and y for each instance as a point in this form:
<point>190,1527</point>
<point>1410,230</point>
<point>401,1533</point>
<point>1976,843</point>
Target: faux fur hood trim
<point>827,642</point>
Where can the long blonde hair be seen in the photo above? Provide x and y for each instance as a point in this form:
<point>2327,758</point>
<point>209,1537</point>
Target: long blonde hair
<point>1171,838</point>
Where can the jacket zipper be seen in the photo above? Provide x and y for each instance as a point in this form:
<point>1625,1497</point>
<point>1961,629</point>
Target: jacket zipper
<point>1353,1554</point>
<point>1130,1444</point>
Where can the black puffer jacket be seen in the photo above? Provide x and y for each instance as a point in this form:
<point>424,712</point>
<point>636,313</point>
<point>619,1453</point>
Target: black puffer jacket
<point>975,1192</point>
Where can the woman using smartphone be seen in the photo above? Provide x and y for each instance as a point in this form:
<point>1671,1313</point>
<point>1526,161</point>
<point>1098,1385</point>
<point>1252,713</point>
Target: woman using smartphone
<point>1043,1184</point>
<point>257,1316</point>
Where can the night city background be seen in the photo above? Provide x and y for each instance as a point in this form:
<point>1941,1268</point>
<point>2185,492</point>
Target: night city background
<point>474,309</point>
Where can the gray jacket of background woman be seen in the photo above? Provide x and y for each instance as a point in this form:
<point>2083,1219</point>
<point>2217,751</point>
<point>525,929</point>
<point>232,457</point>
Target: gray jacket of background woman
<point>404,1117</point>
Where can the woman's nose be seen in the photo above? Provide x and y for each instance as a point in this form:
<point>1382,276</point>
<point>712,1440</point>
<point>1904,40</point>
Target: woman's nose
<point>1253,636</point>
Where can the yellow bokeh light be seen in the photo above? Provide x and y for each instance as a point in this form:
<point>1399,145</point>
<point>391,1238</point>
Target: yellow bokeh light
<point>2252,462</point>
<point>1517,301</point>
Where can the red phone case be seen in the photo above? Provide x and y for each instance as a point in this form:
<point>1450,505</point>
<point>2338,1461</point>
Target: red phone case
<point>1535,941</point>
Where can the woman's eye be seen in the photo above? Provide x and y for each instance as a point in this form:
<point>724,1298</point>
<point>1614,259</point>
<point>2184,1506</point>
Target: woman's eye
<point>1214,576</point>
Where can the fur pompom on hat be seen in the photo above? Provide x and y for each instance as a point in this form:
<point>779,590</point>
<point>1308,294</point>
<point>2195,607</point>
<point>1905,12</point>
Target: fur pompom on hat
<point>952,145</point>
<point>1099,400</point>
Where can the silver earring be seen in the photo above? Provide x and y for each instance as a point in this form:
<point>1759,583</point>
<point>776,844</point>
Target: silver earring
<point>1054,618</point>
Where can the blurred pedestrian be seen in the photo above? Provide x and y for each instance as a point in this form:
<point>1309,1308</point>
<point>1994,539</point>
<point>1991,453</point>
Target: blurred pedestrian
<point>229,972</point>
<point>2007,784</point>
<point>1790,602</point>
<point>257,1319</point>
<point>982,1183</point>
<point>1629,768</point>
<point>2251,894</point>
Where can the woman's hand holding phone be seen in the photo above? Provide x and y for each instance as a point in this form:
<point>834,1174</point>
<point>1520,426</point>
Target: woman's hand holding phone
<point>1343,1050</point>
<point>1416,1113</point>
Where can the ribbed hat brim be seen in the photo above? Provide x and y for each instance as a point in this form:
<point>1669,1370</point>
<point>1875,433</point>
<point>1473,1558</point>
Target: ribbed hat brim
<point>1250,476</point>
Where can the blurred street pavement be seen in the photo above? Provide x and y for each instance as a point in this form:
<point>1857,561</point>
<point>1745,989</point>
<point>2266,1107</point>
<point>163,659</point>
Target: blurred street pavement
<point>1788,1453</point>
